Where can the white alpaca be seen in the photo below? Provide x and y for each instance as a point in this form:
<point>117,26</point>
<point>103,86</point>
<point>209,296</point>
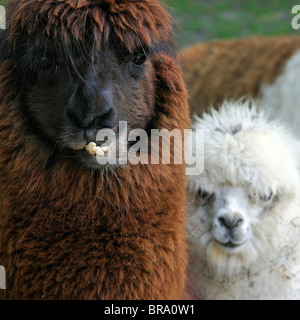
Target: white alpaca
<point>283,95</point>
<point>244,215</point>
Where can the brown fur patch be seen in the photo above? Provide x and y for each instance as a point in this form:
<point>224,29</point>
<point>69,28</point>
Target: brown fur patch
<point>133,22</point>
<point>232,69</point>
<point>70,233</point>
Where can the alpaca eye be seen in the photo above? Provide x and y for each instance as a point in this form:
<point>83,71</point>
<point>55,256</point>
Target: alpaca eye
<point>139,58</point>
<point>46,63</point>
<point>203,194</point>
<point>262,197</point>
<point>267,198</point>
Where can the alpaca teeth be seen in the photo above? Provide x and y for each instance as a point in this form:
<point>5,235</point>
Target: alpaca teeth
<point>98,151</point>
<point>93,149</point>
<point>105,149</point>
<point>89,148</point>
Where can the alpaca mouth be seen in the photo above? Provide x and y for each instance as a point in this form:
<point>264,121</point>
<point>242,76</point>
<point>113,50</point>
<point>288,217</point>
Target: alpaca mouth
<point>94,150</point>
<point>230,246</point>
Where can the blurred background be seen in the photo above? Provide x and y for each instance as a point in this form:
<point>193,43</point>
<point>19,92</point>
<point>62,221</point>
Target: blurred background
<point>205,20</point>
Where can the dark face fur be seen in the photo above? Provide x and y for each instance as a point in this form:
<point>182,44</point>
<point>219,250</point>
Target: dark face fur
<point>71,92</point>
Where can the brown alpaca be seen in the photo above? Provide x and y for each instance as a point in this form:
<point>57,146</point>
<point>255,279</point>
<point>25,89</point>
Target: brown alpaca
<point>232,69</point>
<point>70,229</point>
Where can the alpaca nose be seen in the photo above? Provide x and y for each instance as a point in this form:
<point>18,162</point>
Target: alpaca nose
<point>230,222</point>
<point>90,110</point>
<point>105,121</point>
<point>99,120</point>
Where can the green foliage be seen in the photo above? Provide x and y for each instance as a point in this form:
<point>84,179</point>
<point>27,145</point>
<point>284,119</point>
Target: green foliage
<point>205,20</point>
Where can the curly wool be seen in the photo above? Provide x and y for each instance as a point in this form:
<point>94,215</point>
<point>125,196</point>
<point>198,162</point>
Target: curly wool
<point>70,233</point>
<point>133,22</point>
<point>258,157</point>
<point>73,234</point>
<point>232,69</point>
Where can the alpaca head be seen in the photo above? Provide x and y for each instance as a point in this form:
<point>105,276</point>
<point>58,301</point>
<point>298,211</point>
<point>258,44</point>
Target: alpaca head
<point>246,192</point>
<point>81,66</point>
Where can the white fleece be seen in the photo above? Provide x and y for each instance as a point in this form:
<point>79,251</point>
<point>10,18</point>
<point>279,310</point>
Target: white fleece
<point>256,162</point>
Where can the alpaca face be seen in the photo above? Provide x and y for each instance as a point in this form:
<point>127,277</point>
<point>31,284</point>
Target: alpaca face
<point>231,225</point>
<point>224,226</point>
<point>70,93</point>
<point>85,66</point>
<point>246,191</point>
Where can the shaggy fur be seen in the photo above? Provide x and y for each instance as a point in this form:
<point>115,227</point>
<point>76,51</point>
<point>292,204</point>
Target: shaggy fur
<point>71,233</point>
<point>283,95</point>
<point>133,22</point>
<point>255,163</point>
<point>231,69</point>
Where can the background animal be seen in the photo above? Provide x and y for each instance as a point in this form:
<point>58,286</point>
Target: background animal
<point>69,227</point>
<point>244,210</point>
<point>256,67</point>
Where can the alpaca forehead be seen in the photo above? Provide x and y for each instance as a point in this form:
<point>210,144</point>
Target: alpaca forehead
<point>233,117</point>
<point>231,199</point>
<point>132,22</point>
<point>251,179</point>
<point>78,52</point>
<point>249,154</point>
<point>231,193</point>
<point>112,5</point>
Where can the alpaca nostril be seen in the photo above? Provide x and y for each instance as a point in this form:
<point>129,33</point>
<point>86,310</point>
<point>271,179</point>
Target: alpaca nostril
<point>107,120</point>
<point>93,121</point>
<point>238,223</point>
<point>88,108</point>
<point>223,221</point>
<point>230,223</point>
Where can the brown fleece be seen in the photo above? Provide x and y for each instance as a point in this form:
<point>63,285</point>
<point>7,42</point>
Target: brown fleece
<point>133,22</point>
<point>70,233</point>
<point>232,69</point>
